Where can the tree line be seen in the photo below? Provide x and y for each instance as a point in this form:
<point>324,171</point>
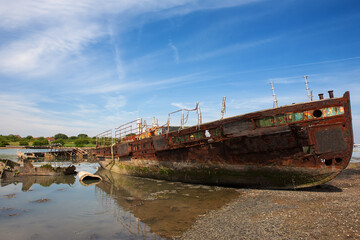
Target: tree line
<point>59,139</point>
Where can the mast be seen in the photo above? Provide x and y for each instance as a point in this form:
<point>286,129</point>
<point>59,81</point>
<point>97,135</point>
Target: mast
<point>307,89</point>
<point>275,102</point>
<point>223,107</point>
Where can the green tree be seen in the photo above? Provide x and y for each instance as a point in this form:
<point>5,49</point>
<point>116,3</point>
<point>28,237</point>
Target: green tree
<point>61,141</point>
<point>81,142</point>
<point>13,138</point>
<point>41,141</point>
<point>60,136</point>
<point>29,137</point>
<point>82,135</point>
<point>24,142</point>
<point>3,143</point>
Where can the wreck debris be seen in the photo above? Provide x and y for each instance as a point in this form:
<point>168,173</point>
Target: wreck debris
<point>88,179</point>
<point>12,169</point>
<point>53,153</point>
<point>2,167</point>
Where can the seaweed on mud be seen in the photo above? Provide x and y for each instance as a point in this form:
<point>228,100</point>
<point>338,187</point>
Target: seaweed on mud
<point>42,200</point>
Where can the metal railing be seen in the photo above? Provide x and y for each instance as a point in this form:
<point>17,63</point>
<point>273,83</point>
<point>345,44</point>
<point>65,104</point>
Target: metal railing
<point>129,129</point>
<point>139,129</point>
<point>184,119</point>
<point>104,138</point>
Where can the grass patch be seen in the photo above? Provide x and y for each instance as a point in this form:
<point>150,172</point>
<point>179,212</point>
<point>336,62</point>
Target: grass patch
<point>47,166</point>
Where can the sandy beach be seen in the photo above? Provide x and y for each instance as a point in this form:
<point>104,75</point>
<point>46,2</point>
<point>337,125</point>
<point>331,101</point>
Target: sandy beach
<point>329,211</point>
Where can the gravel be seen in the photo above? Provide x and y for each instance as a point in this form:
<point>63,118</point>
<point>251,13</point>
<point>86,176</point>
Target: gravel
<point>329,211</point>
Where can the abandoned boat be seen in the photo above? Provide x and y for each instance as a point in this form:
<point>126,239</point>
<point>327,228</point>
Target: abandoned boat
<point>292,146</point>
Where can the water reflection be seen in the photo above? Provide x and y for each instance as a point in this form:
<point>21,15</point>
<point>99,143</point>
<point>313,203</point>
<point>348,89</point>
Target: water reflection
<point>45,181</point>
<point>167,208</point>
<point>119,207</point>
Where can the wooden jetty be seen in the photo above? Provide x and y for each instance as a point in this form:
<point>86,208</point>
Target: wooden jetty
<point>54,153</point>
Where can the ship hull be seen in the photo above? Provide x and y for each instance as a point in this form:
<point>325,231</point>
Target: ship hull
<point>294,146</point>
<point>224,175</point>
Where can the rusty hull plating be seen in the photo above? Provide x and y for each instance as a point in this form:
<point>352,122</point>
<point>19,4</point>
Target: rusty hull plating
<point>293,146</point>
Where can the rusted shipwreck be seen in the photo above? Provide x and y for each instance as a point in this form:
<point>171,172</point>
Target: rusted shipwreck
<point>292,146</point>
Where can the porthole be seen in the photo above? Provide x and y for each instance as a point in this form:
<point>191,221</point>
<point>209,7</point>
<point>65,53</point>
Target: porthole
<point>338,160</point>
<point>328,162</point>
<point>317,113</point>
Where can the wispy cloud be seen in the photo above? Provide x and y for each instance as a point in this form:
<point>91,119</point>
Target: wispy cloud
<point>23,115</point>
<point>140,85</point>
<point>176,53</point>
<point>119,65</point>
<point>115,103</point>
<point>231,49</point>
<point>178,105</point>
<point>43,51</point>
<point>65,28</point>
<point>286,80</point>
<point>18,103</point>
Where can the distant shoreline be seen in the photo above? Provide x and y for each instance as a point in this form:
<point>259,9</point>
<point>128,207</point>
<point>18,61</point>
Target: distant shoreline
<point>24,147</point>
<point>39,147</point>
<point>12,147</point>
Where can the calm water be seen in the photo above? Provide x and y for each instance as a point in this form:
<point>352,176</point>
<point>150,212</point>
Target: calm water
<point>119,207</point>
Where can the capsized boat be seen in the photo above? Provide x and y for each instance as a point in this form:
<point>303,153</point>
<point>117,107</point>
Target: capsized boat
<point>292,146</point>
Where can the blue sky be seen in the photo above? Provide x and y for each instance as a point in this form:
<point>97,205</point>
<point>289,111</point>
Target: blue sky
<point>86,67</point>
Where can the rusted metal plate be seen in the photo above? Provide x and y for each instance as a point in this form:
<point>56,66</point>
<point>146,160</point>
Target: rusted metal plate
<point>160,143</point>
<point>329,139</point>
<point>239,128</point>
<point>123,149</point>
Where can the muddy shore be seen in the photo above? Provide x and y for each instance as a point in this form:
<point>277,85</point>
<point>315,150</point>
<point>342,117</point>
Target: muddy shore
<point>329,211</point>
